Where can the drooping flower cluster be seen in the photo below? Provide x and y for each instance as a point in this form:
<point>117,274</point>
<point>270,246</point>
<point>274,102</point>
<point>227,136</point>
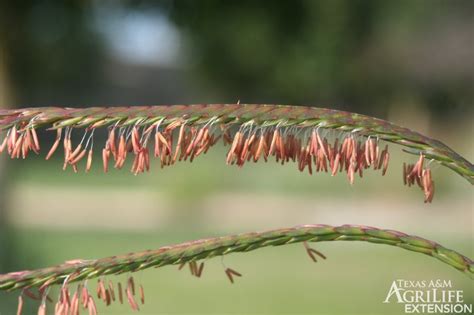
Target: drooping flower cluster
<point>19,143</point>
<point>309,147</point>
<point>312,152</point>
<point>73,302</point>
<point>416,174</point>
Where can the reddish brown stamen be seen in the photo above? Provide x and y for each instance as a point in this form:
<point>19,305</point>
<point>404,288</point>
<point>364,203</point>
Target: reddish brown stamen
<point>230,273</point>
<point>20,305</point>
<point>89,161</point>
<point>84,297</point>
<point>199,270</point>
<point>120,292</point>
<point>76,159</point>
<point>131,284</point>
<point>131,300</point>
<point>91,305</point>
<point>311,252</point>
<point>142,294</point>
<point>42,309</point>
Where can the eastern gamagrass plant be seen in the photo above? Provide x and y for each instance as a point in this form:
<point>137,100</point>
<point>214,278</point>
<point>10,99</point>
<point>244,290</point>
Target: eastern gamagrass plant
<point>315,139</point>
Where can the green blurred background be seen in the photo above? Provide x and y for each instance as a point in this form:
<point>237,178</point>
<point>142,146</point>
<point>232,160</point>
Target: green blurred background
<point>411,62</point>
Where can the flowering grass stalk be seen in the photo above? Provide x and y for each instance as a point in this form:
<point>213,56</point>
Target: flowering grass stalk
<point>35,283</point>
<point>316,139</point>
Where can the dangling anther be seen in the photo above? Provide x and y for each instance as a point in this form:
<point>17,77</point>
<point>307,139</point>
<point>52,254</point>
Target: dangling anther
<point>428,185</point>
<point>74,309</point>
<point>385,157</point>
<point>179,145</point>
<point>231,273</point>
<point>258,152</point>
<point>199,270</point>
<point>91,306</point>
<point>105,159</point>
<point>20,304</point>
<point>142,294</point>
<point>274,141</point>
<point>135,140</point>
<point>195,270</point>
<point>111,142</point>
<point>131,285</point>
<point>335,164</point>
<point>112,290</point>
<point>89,161</point>
<point>322,145</point>
<point>100,290</point>
<point>131,300</point>
<point>235,142</point>
<point>314,143</point>
<point>311,252</point>
<point>35,146</point>
<point>120,292</point>
<point>42,309</point>
<point>84,297</point>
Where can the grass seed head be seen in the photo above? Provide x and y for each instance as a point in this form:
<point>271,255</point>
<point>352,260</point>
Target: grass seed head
<point>188,253</point>
<point>268,131</point>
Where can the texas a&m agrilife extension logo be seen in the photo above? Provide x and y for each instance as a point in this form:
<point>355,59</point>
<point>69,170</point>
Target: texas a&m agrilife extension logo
<point>428,297</point>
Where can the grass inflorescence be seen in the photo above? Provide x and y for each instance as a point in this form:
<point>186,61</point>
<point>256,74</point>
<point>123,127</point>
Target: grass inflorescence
<point>35,284</point>
<point>316,139</point>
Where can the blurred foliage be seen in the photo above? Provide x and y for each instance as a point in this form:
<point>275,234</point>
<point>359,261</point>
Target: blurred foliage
<point>363,55</point>
<point>334,53</point>
<point>52,53</point>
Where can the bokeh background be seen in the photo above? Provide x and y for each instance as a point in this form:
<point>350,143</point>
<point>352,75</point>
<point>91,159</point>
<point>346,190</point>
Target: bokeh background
<point>411,62</point>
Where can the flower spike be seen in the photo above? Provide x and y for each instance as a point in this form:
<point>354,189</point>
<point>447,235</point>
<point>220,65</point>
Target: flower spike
<point>316,139</point>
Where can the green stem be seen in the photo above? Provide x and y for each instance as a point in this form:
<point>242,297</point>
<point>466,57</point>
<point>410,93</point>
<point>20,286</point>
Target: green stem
<point>208,248</point>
